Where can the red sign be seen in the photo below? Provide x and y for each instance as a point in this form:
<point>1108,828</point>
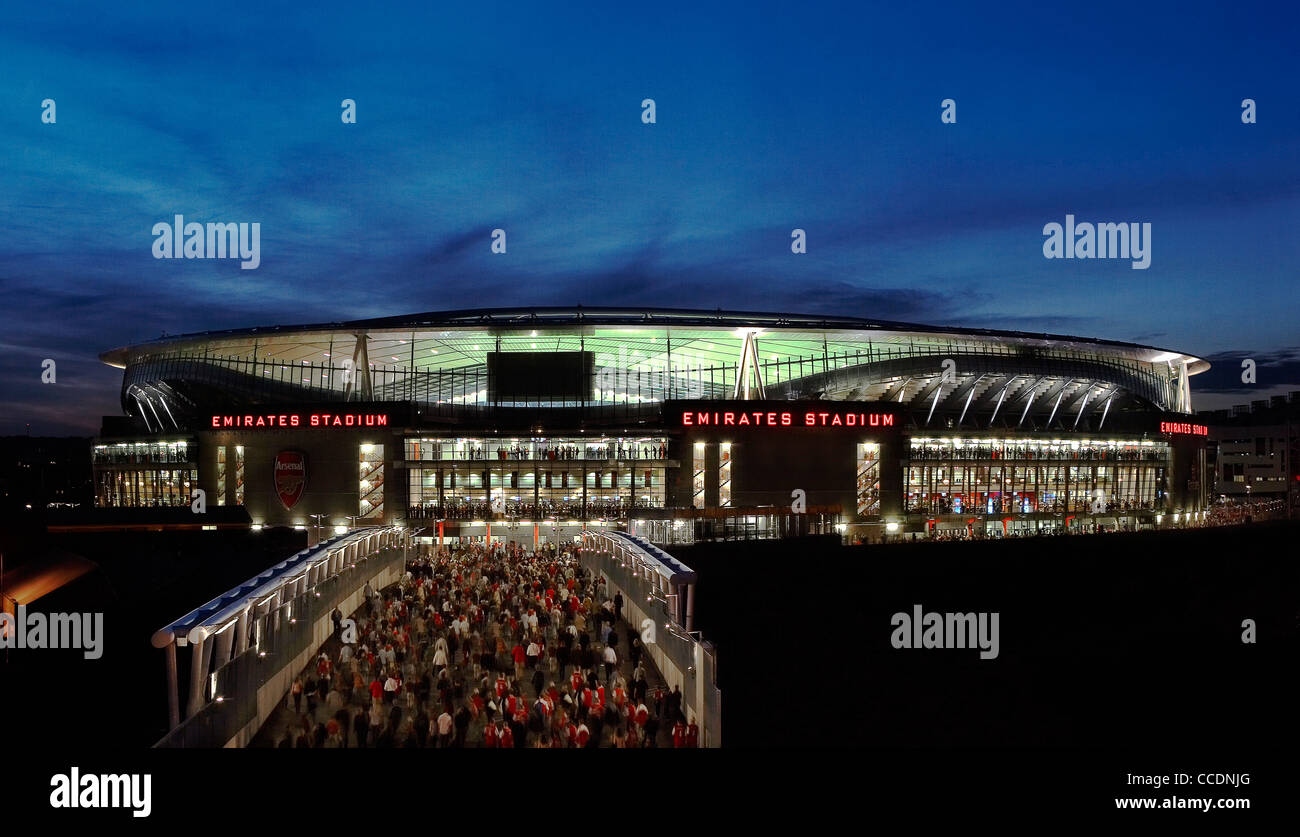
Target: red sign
<point>783,418</point>
<point>248,421</point>
<point>1182,429</point>
<point>290,476</point>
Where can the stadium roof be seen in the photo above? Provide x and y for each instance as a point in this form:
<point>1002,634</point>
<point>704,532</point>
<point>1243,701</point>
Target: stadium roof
<point>540,321</point>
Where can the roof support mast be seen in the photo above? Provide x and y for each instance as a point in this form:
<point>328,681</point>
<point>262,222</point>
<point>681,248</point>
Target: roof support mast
<point>749,363</point>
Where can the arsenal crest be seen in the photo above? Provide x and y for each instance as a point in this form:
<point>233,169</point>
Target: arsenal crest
<point>290,476</point>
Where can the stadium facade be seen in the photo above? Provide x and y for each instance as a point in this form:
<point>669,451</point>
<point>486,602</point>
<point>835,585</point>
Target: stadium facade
<point>677,424</point>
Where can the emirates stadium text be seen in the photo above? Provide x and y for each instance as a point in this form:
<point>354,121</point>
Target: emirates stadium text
<point>760,418</point>
<point>300,420</point>
<point>1184,429</point>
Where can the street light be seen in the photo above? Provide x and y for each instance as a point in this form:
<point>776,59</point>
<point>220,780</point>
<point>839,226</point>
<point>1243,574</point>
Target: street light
<point>317,518</point>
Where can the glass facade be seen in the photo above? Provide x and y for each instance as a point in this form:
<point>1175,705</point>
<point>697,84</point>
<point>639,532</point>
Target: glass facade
<point>370,486</point>
<point>221,475</point>
<point>137,487</point>
<point>724,474</point>
<point>697,475</point>
<point>239,475</point>
<point>476,478</point>
<point>144,453</point>
<point>868,479</point>
<point>1026,476</point>
<point>140,474</point>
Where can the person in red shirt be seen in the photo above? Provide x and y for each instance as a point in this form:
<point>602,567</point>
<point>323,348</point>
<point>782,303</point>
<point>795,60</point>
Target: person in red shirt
<point>507,739</point>
<point>519,655</point>
<point>376,689</point>
<point>693,734</point>
<point>679,735</point>
<point>490,736</point>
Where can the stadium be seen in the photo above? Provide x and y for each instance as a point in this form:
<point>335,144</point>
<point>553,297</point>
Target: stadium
<point>677,425</point>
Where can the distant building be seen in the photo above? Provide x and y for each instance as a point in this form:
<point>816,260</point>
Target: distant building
<point>1254,450</point>
<point>38,472</point>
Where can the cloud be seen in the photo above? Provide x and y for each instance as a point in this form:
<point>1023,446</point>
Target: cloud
<point>1274,370</point>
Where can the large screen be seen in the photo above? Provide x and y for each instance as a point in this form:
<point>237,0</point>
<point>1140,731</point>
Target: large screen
<point>539,376</point>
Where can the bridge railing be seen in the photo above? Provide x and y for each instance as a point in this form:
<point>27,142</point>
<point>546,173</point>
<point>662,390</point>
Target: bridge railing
<point>262,636</point>
<point>659,602</point>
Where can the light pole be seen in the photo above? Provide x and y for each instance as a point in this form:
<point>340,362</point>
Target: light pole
<point>317,518</point>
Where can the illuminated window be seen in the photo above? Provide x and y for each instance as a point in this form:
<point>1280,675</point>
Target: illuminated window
<point>724,474</point>
<point>221,475</point>
<point>239,475</point>
<point>371,482</point>
<point>697,479</point>
<point>868,479</point>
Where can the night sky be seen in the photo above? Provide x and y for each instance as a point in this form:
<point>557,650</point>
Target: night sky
<point>769,117</point>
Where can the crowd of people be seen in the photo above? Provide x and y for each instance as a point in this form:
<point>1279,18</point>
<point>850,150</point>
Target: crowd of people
<point>1235,511</point>
<point>557,452</point>
<point>495,647</point>
<point>1024,451</point>
<point>464,509</point>
<point>1083,502</point>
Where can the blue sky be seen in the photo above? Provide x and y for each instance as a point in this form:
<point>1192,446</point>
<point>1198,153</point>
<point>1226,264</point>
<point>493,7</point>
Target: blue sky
<point>769,117</point>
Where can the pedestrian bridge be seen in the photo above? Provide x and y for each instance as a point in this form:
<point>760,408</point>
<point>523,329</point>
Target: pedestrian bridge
<point>245,646</point>
<point>659,600</point>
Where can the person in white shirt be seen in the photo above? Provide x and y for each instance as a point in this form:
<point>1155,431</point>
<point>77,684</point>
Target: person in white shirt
<point>611,662</point>
<point>444,729</point>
